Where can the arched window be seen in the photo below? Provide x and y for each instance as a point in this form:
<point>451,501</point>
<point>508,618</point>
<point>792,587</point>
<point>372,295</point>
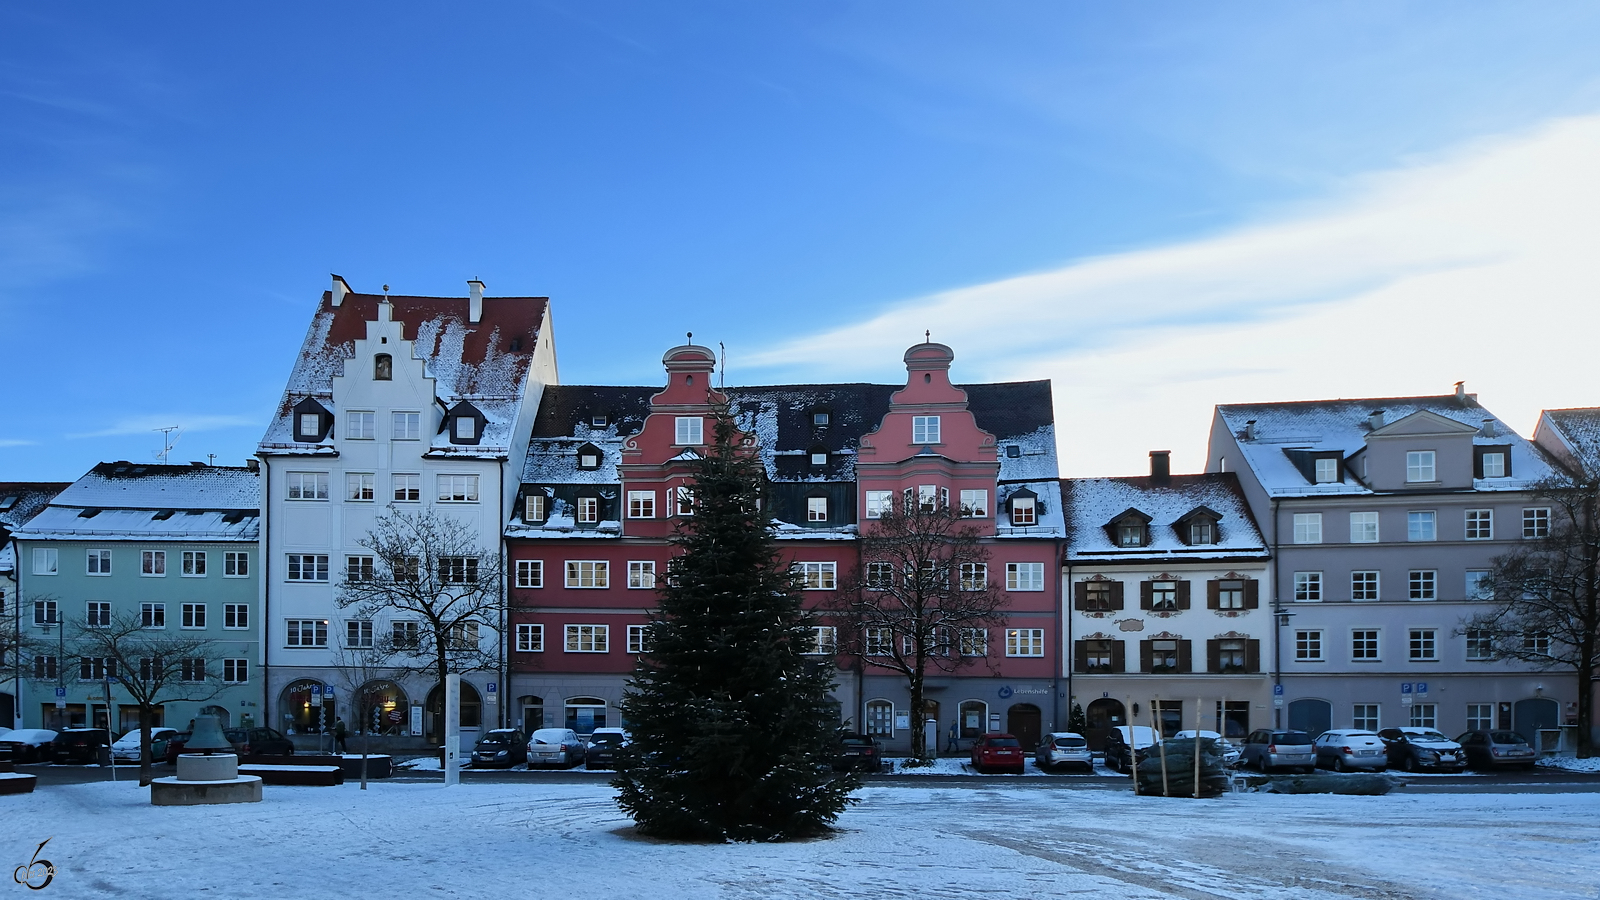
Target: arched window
<point>585,714</point>
<point>880,718</point>
<point>383,367</point>
<point>974,718</point>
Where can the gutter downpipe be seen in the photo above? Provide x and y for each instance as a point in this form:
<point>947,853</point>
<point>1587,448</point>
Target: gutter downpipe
<point>503,645</point>
<point>267,720</point>
<point>1277,622</point>
<point>1063,593</point>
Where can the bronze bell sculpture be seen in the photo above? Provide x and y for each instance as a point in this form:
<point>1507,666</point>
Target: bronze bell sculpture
<point>207,737</point>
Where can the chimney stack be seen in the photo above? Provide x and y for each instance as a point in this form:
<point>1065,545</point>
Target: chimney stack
<point>1461,393</point>
<point>1250,430</point>
<point>1160,466</point>
<point>1375,419</point>
<point>253,464</point>
<point>1489,429</point>
<point>475,304</point>
<point>340,289</point>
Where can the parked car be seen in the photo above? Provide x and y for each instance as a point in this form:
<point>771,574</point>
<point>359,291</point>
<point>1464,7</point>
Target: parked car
<point>29,744</point>
<point>1343,749</point>
<point>79,745</point>
<point>258,742</point>
<point>555,747</point>
<point>1414,749</point>
<point>998,751</point>
<point>1063,748</point>
<point>1128,745</point>
<point>1267,750</point>
<point>127,747</point>
<point>176,745</point>
<point>602,747</point>
<point>1228,749</point>
<point>1493,749</point>
<point>500,748</point>
<point>858,753</point>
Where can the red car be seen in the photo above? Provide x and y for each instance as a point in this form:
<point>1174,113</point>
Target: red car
<point>998,751</point>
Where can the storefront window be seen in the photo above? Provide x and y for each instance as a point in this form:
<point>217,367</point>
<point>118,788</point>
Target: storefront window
<point>300,715</point>
<point>585,714</point>
<point>974,718</point>
<point>382,708</point>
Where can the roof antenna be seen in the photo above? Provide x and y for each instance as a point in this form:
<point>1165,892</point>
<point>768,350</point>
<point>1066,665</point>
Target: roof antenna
<point>722,367</point>
<point>211,459</point>
<point>691,338</point>
<point>167,442</point>
<point>927,337</point>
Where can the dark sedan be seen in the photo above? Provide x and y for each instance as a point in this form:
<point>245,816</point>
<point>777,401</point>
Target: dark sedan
<point>79,745</point>
<point>1413,749</point>
<point>1497,750</point>
<point>500,748</point>
<point>858,753</point>
<point>258,742</point>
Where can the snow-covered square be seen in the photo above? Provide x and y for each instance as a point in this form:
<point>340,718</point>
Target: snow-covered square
<point>548,840</point>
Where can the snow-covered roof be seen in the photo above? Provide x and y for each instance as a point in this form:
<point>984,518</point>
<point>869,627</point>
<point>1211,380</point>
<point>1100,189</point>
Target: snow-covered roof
<point>486,363</point>
<point>137,501</point>
<point>22,500</point>
<point>1343,426</point>
<point>1092,504</point>
<point>1577,433</point>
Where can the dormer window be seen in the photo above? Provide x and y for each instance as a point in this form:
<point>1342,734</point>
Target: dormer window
<point>1130,534</point>
<point>1327,471</point>
<point>1024,509</point>
<point>1202,531</point>
<point>1013,451</point>
<point>816,509</point>
<point>820,418</point>
<point>588,510</point>
<point>597,421</point>
<point>312,421</point>
<point>464,423</point>
<point>1492,461</point>
<point>1198,527</point>
<point>589,457</point>
<point>383,367</point>
<point>819,456</point>
<point>466,429</point>
<point>534,508</point>
<point>1130,529</point>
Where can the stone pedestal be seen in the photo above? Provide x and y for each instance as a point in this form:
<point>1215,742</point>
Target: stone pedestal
<point>205,779</point>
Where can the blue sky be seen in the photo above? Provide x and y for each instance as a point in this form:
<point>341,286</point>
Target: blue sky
<point>1161,206</point>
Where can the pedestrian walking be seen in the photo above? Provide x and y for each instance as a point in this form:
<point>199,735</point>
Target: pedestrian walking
<point>953,744</point>
<point>339,732</point>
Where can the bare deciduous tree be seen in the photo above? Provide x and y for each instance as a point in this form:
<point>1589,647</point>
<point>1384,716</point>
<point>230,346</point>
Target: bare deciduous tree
<point>922,601</point>
<point>1545,606</point>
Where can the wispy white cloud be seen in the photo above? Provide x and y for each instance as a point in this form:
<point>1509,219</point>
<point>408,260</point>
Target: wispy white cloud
<point>1473,265</point>
<point>186,423</point>
<point>16,442</point>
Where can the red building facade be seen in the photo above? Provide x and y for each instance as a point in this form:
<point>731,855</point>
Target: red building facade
<point>609,473</point>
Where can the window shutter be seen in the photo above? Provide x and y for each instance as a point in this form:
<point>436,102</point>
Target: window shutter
<point>1145,660</point>
<point>1213,595</point>
<point>1146,601</point>
<point>1080,656</point>
<point>1116,596</point>
<point>1183,595</point>
<point>1252,594</point>
<point>1213,656</point>
<point>1185,657</point>
<point>1252,656</point>
<point>1080,598</point>
<point>1119,655</point>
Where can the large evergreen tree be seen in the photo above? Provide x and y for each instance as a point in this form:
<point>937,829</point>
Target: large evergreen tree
<point>732,728</point>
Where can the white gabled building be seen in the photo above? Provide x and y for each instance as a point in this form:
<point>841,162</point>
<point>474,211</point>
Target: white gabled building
<point>422,403</point>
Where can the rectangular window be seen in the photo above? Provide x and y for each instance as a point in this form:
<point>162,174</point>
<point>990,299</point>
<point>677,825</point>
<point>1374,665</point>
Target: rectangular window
<point>530,638</point>
<point>1097,596</point>
<point>151,615</point>
<point>641,504</point>
<point>1364,645</point>
<point>45,560</point>
<point>1308,646</point>
<point>974,576</point>
<point>530,573</point>
<point>589,638</point>
<point>305,633</point>
<point>1480,645</point>
<point>588,510</point>
<point>44,612</point>
<point>407,488</point>
<point>880,575</point>
<point>1424,715</point>
<point>1308,587</point>
<point>690,431</point>
<point>236,671</point>
<point>927,497</point>
<point>1477,585</point>
<point>638,638</point>
<point>97,614</point>
<point>462,636</point>
<point>974,642</point>
<point>1025,576</point>
<point>1201,532</point>
<point>406,568</point>
<point>1099,656</point>
<point>194,563</point>
<point>1024,641</point>
<point>1363,528</point>
<point>1421,525</point>
<point>1364,716</point>
<point>311,424</point>
<point>588,573</point>
<point>405,426</point>
<point>1480,716</point>
<point>458,489</point>
<point>360,568</point>
<point>1024,512</point>
<point>307,485</point>
<point>1424,584</point>
<point>466,428</point>
<point>458,569</point>
<point>45,667</point>
<point>194,615</point>
<point>99,562</point>
<point>816,509</point>
<point>1327,471</point>
<point>1480,524</point>
<point>878,640</point>
<point>641,574</point>
<point>1163,656</point>
<point>1163,595</point>
<point>1230,595</point>
<point>879,504</point>
<point>824,641</point>
<point>924,429</point>
<point>1424,644</point>
<point>358,633</point>
<point>1536,642</point>
<point>1535,523</point>
<point>235,616</point>
<point>1364,586</point>
<point>1308,528</point>
<point>153,563</point>
<point>235,564</point>
<point>684,499</point>
<point>307,567</point>
<point>360,486</point>
<point>1494,465</point>
<point>360,425</point>
<point>405,635</point>
<point>974,504</point>
<point>533,508</point>
<point>818,576</point>
<point>95,668</point>
<point>1419,466</point>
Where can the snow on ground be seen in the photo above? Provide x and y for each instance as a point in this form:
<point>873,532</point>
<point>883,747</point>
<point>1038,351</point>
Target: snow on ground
<point>545,840</point>
<point>1571,764</point>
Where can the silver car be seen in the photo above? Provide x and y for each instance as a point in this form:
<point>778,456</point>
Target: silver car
<point>1063,748</point>
<point>1267,750</point>
<point>555,747</point>
<point>1343,749</point>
